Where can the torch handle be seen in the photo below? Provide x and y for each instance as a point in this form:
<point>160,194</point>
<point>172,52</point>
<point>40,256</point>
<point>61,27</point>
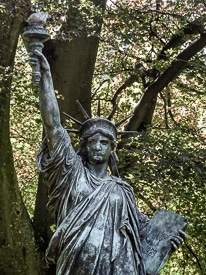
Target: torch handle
<point>36,70</point>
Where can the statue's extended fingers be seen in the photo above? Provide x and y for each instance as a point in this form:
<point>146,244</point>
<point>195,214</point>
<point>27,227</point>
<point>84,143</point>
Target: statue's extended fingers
<point>176,240</point>
<point>174,245</point>
<point>40,54</point>
<point>43,60</point>
<point>33,62</point>
<point>180,239</point>
<point>32,59</point>
<point>183,234</point>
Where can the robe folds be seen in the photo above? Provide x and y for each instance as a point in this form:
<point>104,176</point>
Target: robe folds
<point>99,227</point>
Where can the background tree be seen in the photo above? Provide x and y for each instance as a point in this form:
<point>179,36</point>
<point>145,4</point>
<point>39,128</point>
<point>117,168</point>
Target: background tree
<point>18,253</point>
<point>150,62</point>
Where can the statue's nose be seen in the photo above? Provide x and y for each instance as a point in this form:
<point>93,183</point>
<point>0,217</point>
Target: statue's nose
<point>98,146</point>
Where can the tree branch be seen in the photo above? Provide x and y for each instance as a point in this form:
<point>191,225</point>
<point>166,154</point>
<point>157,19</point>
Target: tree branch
<point>164,79</point>
<point>194,27</point>
<point>128,82</point>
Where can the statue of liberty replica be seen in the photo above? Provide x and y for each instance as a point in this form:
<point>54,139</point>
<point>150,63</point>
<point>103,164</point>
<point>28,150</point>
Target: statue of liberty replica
<point>100,230</point>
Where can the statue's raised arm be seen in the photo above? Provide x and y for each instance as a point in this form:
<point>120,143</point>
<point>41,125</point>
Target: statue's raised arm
<point>48,103</point>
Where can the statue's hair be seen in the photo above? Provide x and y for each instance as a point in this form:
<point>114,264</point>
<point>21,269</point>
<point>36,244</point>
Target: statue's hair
<point>103,132</point>
<point>98,125</point>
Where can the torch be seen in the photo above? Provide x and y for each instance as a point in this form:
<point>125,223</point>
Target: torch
<point>34,36</point>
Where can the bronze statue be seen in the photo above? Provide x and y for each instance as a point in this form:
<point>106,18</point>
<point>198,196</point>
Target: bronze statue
<point>99,227</point>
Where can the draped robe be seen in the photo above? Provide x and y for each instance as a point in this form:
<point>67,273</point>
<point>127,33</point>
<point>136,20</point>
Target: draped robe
<point>99,227</point>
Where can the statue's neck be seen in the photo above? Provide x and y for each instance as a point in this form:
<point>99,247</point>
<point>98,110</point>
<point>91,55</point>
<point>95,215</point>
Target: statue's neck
<point>98,170</point>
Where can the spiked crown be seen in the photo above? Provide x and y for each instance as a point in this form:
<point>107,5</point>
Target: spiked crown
<point>98,124</point>
<point>91,125</point>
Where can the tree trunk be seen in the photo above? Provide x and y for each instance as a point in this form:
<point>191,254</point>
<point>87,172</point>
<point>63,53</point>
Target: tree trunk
<point>72,66</point>
<point>18,254</point>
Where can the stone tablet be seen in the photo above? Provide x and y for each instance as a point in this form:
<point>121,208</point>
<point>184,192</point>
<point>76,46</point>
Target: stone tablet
<point>156,245</point>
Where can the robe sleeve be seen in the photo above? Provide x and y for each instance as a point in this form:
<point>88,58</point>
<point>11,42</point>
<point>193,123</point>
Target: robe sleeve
<point>63,154</point>
<point>59,172</point>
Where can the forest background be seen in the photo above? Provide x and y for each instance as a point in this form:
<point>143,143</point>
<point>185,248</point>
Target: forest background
<point>146,60</point>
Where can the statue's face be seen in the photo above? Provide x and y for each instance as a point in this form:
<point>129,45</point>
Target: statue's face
<point>98,148</point>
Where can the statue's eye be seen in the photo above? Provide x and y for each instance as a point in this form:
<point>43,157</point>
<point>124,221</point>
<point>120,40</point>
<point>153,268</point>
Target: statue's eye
<point>92,142</point>
<point>104,142</point>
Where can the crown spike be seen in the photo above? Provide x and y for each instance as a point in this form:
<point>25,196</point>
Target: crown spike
<point>113,112</point>
<point>72,131</point>
<point>122,121</point>
<point>72,118</point>
<point>86,116</point>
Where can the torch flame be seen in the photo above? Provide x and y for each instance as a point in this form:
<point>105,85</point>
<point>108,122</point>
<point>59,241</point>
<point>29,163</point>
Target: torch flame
<point>38,18</point>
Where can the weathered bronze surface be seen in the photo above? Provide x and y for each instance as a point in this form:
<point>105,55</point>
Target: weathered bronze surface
<point>34,36</point>
<point>156,244</point>
<point>100,229</point>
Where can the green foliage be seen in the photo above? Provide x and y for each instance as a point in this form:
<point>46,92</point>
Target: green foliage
<point>68,19</point>
<point>167,170</point>
<point>25,128</point>
<point>142,39</point>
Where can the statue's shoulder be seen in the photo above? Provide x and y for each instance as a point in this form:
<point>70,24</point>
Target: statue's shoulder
<point>121,181</point>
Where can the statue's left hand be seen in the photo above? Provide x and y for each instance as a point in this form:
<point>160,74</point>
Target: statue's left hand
<point>176,241</point>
